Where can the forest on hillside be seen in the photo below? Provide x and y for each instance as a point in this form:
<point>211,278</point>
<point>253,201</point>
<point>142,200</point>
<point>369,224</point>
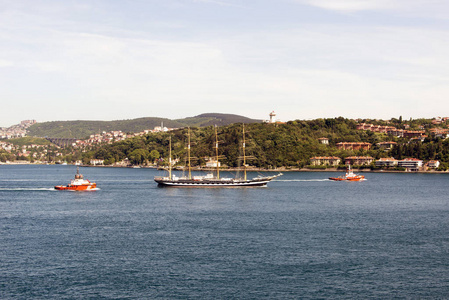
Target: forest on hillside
<point>272,145</point>
<point>83,129</point>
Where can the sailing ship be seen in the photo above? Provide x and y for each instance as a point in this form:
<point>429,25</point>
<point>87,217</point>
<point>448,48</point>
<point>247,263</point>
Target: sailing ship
<point>349,176</point>
<point>212,180</point>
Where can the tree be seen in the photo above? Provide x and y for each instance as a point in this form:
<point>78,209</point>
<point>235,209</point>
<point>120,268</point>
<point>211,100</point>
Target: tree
<point>154,154</point>
<point>138,156</point>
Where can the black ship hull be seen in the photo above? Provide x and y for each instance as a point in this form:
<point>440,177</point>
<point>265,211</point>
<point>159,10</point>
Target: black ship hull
<point>256,182</point>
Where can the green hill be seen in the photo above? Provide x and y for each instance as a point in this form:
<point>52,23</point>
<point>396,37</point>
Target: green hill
<point>212,119</point>
<point>282,145</point>
<point>83,129</point>
<point>26,141</point>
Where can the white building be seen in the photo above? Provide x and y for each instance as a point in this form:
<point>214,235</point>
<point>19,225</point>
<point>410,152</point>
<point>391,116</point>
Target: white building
<point>433,164</point>
<point>410,164</point>
<point>97,162</point>
<point>325,161</point>
<point>324,141</point>
<point>386,162</point>
<point>212,164</point>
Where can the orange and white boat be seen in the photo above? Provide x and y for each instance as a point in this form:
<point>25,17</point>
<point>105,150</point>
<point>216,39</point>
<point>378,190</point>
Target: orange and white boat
<point>349,176</point>
<point>78,184</point>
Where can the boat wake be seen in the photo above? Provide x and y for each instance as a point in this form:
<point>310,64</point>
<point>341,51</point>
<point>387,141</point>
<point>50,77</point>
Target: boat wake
<point>301,180</point>
<point>130,180</point>
<point>24,180</point>
<point>27,189</point>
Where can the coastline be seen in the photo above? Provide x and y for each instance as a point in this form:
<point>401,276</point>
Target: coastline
<point>281,169</point>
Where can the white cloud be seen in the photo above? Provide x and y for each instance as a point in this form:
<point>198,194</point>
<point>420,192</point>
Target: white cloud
<point>402,6</point>
<point>347,5</point>
<point>218,2</point>
<point>5,63</point>
<point>300,71</point>
<point>319,72</point>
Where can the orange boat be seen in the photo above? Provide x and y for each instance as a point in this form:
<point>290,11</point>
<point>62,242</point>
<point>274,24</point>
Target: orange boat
<point>349,176</point>
<point>78,184</point>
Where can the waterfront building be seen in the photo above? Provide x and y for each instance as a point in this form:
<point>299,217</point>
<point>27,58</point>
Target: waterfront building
<point>386,162</point>
<point>358,160</point>
<point>212,164</point>
<point>411,164</point>
<point>433,164</point>
<point>325,161</point>
<point>97,162</point>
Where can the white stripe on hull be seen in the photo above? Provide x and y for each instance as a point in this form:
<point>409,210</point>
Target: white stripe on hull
<point>258,181</point>
<point>227,184</point>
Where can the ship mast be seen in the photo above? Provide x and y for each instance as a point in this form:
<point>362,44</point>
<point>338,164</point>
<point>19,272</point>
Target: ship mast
<point>169,159</point>
<point>188,153</point>
<point>216,152</point>
<point>244,154</point>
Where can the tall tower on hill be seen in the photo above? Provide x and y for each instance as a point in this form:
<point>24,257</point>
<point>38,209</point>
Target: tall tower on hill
<point>272,115</point>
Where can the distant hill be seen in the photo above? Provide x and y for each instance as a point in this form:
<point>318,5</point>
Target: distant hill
<point>211,119</point>
<point>83,129</point>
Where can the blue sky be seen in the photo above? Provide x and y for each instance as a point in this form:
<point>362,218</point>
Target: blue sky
<point>304,59</point>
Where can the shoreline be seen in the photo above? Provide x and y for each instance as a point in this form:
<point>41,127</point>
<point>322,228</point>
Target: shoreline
<point>282,169</point>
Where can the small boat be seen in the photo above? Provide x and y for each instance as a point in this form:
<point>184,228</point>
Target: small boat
<point>349,176</point>
<point>78,184</point>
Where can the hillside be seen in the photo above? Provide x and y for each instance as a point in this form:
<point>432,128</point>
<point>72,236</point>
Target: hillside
<point>212,119</point>
<point>290,144</point>
<point>26,141</point>
<point>284,145</point>
<point>82,129</point>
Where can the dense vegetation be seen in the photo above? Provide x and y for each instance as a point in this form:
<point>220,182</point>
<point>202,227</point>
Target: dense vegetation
<point>281,145</point>
<point>28,140</point>
<point>83,129</point>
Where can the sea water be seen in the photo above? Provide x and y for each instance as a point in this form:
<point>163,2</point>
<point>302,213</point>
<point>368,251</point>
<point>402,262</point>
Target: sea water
<point>303,236</point>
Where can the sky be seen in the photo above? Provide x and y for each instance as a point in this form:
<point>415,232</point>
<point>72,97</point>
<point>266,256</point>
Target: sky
<point>303,59</point>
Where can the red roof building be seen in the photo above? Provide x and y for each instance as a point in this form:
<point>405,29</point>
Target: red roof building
<point>325,160</point>
<point>358,160</point>
<point>353,146</point>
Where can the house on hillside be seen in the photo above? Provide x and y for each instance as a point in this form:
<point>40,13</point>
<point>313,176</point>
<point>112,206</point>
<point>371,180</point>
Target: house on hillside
<point>386,145</point>
<point>414,133</point>
<point>439,132</point>
<point>358,160</point>
<point>324,141</point>
<point>353,146</point>
<point>396,132</point>
<point>325,161</point>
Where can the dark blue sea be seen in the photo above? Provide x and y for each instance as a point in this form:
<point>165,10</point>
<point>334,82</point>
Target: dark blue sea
<point>302,237</point>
